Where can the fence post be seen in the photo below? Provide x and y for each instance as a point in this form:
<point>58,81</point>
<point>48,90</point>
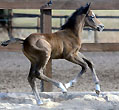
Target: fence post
<point>9,28</point>
<point>95,37</point>
<point>45,24</point>
<point>38,24</point>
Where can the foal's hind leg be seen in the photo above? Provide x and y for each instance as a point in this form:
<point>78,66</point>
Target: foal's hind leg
<point>32,82</point>
<point>39,74</point>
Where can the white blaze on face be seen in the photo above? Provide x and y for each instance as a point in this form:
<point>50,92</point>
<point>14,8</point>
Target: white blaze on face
<point>93,14</point>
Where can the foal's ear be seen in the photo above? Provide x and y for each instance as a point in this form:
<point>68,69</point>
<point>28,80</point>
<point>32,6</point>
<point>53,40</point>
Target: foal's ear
<point>87,8</point>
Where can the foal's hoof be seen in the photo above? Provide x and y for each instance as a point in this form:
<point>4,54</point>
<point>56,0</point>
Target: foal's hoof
<point>4,44</point>
<point>70,84</point>
<point>39,102</point>
<point>97,92</point>
<point>64,90</point>
<point>97,89</point>
<point>67,85</point>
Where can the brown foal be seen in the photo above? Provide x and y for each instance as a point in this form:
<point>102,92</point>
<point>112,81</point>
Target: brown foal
<point>63,44</point>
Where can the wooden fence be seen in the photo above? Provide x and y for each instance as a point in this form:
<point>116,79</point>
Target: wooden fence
<point>61,18</point>
<point>46,6</point>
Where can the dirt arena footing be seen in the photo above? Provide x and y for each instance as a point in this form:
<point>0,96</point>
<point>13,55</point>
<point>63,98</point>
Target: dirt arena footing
<point>60,101</point>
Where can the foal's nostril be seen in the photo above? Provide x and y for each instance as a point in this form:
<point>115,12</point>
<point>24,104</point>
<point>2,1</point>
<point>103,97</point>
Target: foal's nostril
<point>102,26</point>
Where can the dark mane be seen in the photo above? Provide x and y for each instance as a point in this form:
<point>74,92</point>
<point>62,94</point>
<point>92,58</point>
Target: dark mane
<point>70,24</point>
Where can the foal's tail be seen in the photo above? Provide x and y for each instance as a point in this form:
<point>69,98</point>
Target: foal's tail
<point>11,41</point>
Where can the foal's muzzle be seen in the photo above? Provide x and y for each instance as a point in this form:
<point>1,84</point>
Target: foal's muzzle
<point>100,27</point>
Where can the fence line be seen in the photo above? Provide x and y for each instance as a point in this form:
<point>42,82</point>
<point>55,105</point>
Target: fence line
<point>61,17</point>
<point>21,15</point>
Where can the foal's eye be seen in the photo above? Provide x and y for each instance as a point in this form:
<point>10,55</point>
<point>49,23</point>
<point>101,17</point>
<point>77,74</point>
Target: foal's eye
<point>92,17</point>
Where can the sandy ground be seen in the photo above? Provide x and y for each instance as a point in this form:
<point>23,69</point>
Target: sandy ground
<point>14,69</point>
<point>59,101</point>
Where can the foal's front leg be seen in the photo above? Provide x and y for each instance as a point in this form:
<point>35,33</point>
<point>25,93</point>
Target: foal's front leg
<point>95,78</point>
<point>74,58</point>
<point>83,60</point>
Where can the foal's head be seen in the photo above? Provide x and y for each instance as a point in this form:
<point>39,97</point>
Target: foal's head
<point>84,16</point>
<point>92,21</point>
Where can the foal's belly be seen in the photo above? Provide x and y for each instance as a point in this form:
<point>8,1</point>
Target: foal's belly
<point>55,54</point>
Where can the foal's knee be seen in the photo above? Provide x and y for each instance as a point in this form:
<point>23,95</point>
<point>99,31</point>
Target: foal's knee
<point>90,63</point>
<point>84,67</point>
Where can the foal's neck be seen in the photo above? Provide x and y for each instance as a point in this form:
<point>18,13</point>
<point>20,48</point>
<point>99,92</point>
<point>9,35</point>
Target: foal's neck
<point>78,28</point>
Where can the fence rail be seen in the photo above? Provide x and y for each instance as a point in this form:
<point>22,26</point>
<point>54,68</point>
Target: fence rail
<point>86,47</point>
<point>62,19</point>
<point>21,15</point>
